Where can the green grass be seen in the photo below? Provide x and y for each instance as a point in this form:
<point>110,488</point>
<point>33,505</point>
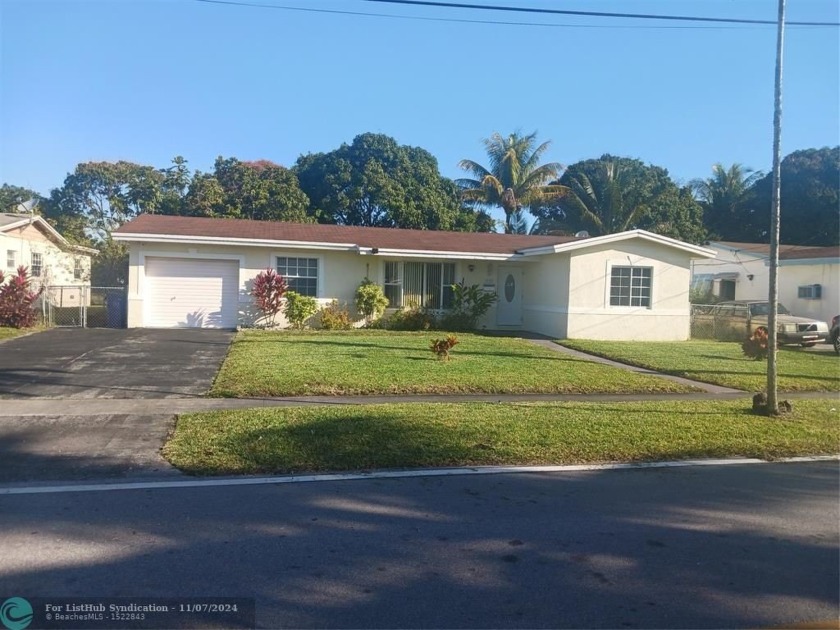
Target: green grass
<point>11,333</point>
<point>364,437</point>
<point>723,363</point>
<point>263,363</point>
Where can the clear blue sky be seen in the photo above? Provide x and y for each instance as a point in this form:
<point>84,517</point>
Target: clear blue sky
<point>147,80</point>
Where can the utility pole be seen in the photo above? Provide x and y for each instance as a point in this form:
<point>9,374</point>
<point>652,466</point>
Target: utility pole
<point>772,374</point>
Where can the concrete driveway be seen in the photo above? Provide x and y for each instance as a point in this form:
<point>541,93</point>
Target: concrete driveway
<point>107,363</point>
<point>74,366</point>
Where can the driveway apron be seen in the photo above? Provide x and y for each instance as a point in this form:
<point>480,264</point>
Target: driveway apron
<point>83,366</point>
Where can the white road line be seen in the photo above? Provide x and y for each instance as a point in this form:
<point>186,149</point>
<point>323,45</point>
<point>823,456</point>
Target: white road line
<point>389,474</point>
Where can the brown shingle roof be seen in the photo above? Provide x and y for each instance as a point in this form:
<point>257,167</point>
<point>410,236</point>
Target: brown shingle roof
<point>810,252</point>
<point>383,238</point>
<point>760,249</point>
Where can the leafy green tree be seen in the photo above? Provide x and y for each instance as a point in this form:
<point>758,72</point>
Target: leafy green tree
<point>109,267</point>
<point>726,198</point>
<point>11,196</point>
<point>261,190</point>
<point>374,181</point>
<point>809,203</point>
<point>614,194</point>
<point>176,181</point>
<point>515,179</point>
<point>104,195</point>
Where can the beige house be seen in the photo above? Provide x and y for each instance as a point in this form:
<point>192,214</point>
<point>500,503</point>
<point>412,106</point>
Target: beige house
<point>62,268</point>
<point>808,282</point>
<point>198,272</point>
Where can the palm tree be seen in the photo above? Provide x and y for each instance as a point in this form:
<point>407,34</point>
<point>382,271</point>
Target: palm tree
<point>515,178</point>
<point>604,201</point>
<point>724,198</point>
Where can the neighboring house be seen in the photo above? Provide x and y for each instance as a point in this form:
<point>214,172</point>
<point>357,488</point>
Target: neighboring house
<point>809,281</point>
<point>808,276</point>
<point>52,262</point>
<point>198,272</point>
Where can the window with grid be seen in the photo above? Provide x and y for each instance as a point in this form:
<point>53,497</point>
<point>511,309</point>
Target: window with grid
<point>36,265</point>
<point>419,284</point>
<point>301,274</point>
<point>630,286</point>
<point>11,259</point>
<point>78,269</point>
<point>393,283</point>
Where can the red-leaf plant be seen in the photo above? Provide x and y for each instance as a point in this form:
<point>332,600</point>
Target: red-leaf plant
<point>268,291</point>
<point>17,299</point>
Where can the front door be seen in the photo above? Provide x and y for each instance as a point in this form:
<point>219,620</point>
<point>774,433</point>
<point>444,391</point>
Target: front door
<point>509,291</point>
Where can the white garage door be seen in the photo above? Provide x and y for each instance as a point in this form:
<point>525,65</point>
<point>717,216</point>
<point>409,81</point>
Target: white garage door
<point>191,293</point>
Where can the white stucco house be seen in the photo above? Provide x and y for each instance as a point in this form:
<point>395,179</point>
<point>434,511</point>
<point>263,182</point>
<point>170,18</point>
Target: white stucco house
<point>809,277</point>
<point>197,272</point>
<point>52,262</point>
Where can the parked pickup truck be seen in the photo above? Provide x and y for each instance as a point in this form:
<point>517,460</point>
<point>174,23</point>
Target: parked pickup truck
<point>740,318</point>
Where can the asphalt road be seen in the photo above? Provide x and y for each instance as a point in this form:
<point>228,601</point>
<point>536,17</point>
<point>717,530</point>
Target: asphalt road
<point>706,547</point>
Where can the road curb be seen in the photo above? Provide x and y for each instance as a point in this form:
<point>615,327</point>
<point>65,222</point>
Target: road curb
<point>391,474</point>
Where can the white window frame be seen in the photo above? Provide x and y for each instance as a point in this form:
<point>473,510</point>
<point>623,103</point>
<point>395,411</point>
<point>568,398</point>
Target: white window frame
<point>11,259</point>
<point>78,269</point>
<point>32,264</point>
<point>401,279</point>
<point>609,282</point>
<point>809,292</point>
<point>319,269</point>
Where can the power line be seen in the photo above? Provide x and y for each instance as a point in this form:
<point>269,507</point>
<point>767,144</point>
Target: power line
<point>261,5</point>
<point>636,16</point>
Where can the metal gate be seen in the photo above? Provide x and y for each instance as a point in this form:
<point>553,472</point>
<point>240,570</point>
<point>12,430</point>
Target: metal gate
<point>85,307</point>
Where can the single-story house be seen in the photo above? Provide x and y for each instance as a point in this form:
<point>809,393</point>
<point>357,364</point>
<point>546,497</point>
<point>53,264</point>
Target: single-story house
<point>198,272</point>
<point>61,268</point>
<point>808,279</point>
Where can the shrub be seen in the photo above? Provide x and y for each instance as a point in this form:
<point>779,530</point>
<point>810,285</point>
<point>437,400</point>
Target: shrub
<point>756,346</point>
<point>268,291</point>
<point>370,300</point>
<point>299,308</point>
<point>17,300</point>
<point>469,304</point>
<point>441,347</point>
<point>413,318</point>
<point>336,317</point>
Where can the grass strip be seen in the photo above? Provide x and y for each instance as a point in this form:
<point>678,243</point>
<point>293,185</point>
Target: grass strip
<point>723,363</point>
<point>262,363</point>
<point>10,333</point>
<point>365,437</point>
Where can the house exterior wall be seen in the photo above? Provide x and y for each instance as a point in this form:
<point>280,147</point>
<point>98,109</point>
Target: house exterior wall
<point>564,295</point>
<point>794,274</point>
<point>589,313</point>
<point>545,297</point>
<point>339,273</point>
<point>740,264</point>
<point>58,265</point>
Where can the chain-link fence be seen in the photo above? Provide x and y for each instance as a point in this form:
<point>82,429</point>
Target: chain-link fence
<point>710,321</point>
<point>82,306</point>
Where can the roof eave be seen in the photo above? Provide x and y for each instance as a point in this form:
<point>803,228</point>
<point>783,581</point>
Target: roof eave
<point>594,241</point>
<point>227,240</point>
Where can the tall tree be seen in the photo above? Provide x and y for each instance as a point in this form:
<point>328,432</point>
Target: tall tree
<point>259,190</point>
<point>375,181</point>
<point>104,195</point>
<point>614,194</point>
<point>810,198</point>
<point>515,179</point>
<point>726,197</point>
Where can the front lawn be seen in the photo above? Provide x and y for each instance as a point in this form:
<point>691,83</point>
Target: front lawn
<point>264,363</point>
<point>722,363</point>
<point>364,437</point>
